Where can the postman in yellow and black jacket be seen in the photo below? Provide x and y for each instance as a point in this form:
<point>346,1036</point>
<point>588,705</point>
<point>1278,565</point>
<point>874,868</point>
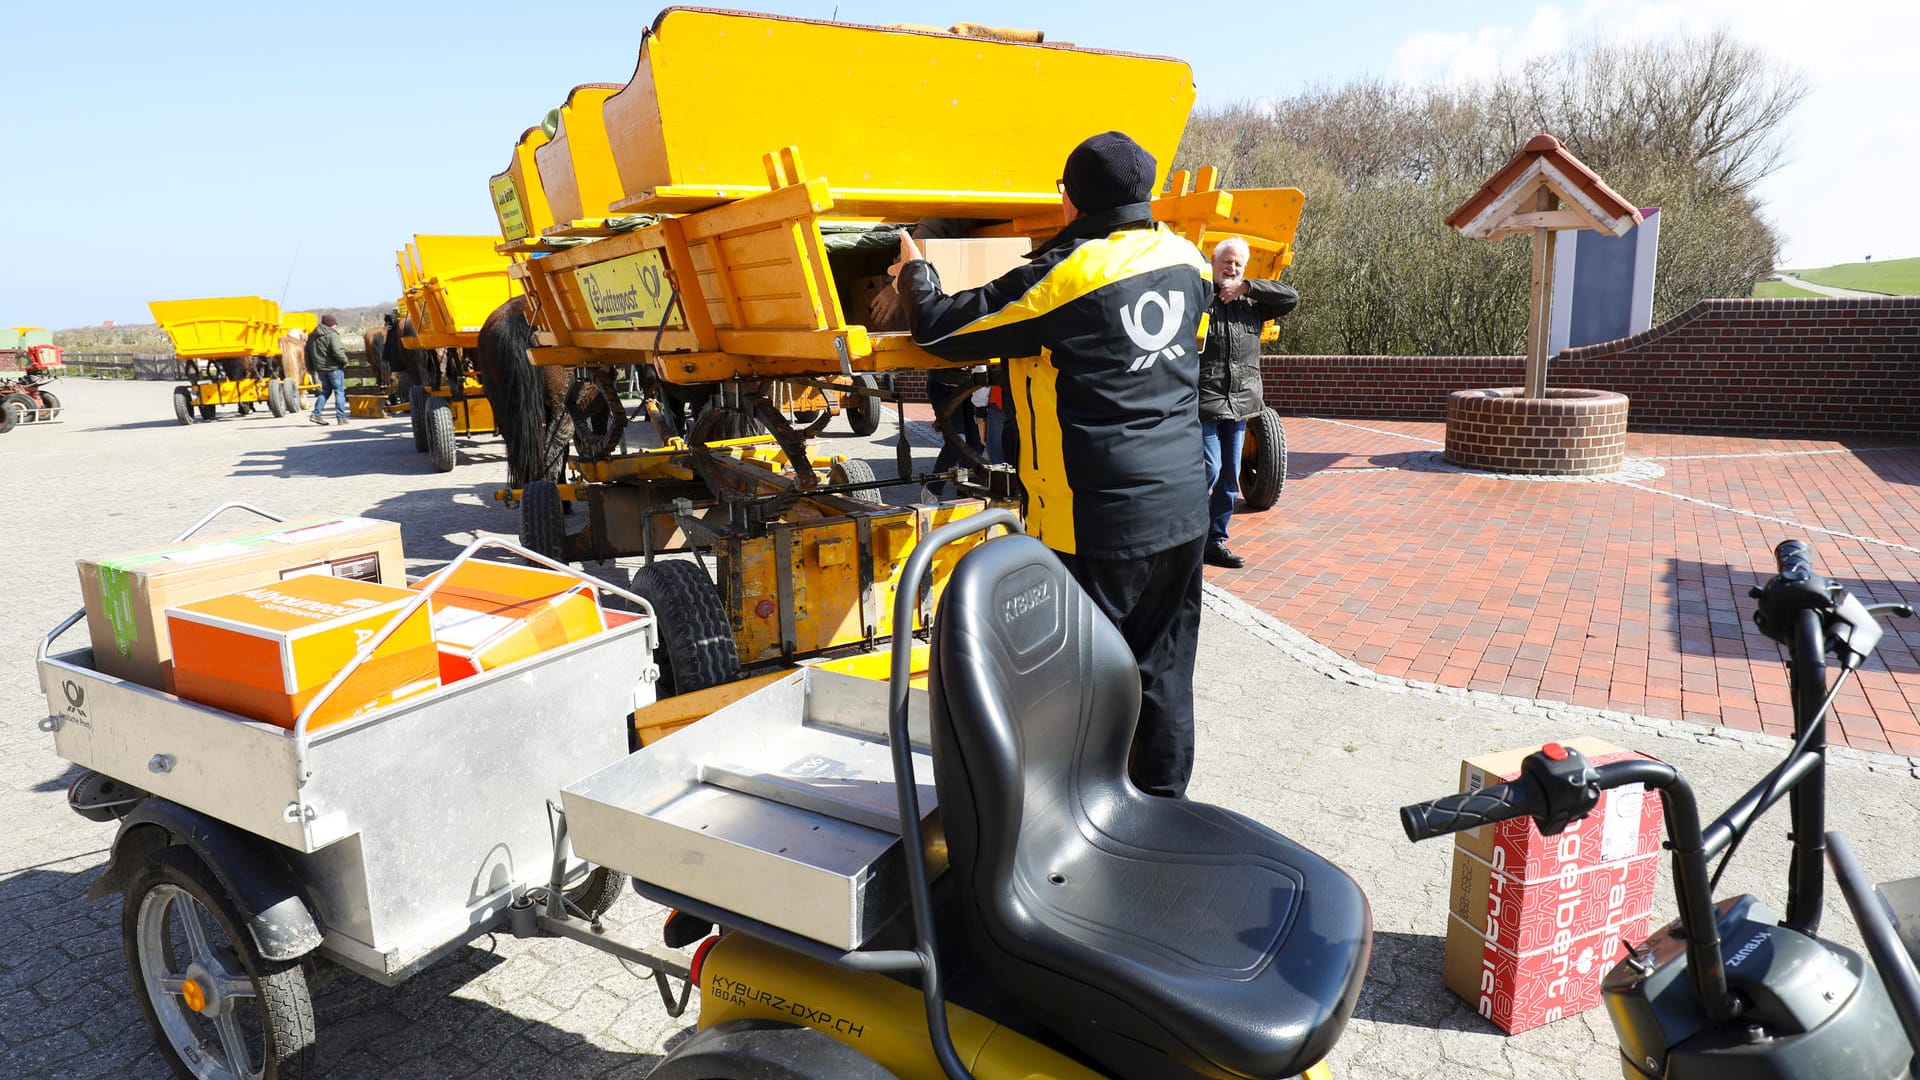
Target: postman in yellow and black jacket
<point>1100,333</point>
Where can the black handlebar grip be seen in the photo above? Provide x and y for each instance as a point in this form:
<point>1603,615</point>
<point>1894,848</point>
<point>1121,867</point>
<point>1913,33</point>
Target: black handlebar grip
<point>1501,802</point>
<point>1794,558</point>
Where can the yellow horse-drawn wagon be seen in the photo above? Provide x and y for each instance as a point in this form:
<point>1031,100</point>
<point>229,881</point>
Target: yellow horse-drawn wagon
<point>450,285</point>
<point>229,350</point>
<point>713,225</point>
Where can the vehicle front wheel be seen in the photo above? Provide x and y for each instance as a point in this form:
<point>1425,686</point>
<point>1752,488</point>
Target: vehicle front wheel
<point>217,1008</point>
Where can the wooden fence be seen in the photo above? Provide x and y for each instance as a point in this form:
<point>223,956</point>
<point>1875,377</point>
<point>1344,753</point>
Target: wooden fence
<point>165,367</point>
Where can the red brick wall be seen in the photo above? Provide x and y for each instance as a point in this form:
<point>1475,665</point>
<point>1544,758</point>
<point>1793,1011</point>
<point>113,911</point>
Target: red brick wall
<point>1805,366</point>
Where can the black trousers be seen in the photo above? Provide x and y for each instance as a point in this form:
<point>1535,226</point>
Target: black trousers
<point>1155,601</point>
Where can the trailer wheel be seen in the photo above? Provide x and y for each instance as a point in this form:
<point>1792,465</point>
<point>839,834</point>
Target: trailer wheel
<point>182,405</point>
<point>696,637</point>
<point>276,404</point>
<point>8,421</point>
<point>20,404</point>
<point>51,404</point>
<point>215,1005</point>
<point>597,892</point>
<point>1263,461</point>
<point>543,522</point>
<point>863,412</point>
<point>854,471</point>
<point>417,413</point>
<point>207,412</point>
<point>440,433</point>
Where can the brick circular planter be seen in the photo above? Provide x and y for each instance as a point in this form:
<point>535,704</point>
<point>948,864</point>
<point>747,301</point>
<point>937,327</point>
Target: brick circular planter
<point>1566,433</point>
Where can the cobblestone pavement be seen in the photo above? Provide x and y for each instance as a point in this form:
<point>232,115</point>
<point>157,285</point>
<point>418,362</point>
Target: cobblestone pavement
<point>1290,732</point>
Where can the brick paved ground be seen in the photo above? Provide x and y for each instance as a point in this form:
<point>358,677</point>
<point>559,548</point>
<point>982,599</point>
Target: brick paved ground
<point>1290,733</point>
<point>1627,595</point>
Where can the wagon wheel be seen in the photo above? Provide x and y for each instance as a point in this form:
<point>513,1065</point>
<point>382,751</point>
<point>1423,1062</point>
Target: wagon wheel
<point>440,434</point>
<point>216,1007</point>
<point>543,523</point>
<point>863,412</point>
<point>50,402</point>
<point>696,637</point>
<point>417,414</point>
<point>276,404</point>
<point>182,405</point>
<point>21,403</point>
<point>1263,461</point>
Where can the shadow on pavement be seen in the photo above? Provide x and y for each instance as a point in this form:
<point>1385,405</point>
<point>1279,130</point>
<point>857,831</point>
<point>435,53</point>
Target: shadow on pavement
<point>1403,986</point>
<point>1702,613</point>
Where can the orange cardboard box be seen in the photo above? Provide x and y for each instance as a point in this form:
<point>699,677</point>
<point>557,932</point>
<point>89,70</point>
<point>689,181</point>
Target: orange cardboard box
<point>265,652</point>
<point>127,594</point>
<point>489,614</point>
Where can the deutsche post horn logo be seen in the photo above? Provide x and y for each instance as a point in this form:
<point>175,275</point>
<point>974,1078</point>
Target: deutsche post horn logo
<point>650,281</point>
<point>76,694</point>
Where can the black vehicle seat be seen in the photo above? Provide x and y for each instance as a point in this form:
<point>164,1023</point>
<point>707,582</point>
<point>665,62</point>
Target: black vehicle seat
<point>1164,938</point>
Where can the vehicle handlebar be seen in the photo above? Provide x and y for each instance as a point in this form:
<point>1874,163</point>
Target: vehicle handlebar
<point>1471,809</point>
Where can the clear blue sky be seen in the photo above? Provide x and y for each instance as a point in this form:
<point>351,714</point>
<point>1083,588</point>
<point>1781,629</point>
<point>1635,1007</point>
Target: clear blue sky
<point>191,149</point>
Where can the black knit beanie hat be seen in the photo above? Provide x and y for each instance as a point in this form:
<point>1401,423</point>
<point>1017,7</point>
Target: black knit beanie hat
<point>1106,171</point>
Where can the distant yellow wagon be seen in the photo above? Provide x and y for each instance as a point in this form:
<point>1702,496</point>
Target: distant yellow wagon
<point>450,284</point>
<point>229,349</point>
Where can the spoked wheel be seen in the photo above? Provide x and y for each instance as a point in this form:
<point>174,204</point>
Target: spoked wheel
<point>217,1008</point>
<point>440,434</point>
<point>863,412</point>
<point>182,405</point>
<point>543,522</point>
<point>417,414</point>
<point>1263,461</point>
<point>696,638</point>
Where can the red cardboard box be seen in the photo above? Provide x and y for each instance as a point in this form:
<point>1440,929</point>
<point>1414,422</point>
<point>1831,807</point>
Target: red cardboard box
<point>1625,823</point>
<point>1526,916</point>
<point>1521,991</point>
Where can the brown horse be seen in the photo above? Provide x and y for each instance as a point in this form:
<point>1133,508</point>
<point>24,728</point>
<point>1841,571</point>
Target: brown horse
<point>374,341</point>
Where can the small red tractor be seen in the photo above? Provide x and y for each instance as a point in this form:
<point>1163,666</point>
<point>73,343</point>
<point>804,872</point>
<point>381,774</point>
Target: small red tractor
<point>24,398</point>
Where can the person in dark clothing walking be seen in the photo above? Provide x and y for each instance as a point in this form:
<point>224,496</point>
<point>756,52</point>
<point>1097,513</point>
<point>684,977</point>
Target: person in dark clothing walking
<point>1230,382</point>
<point>327,359</point>
<point>1100,336</point>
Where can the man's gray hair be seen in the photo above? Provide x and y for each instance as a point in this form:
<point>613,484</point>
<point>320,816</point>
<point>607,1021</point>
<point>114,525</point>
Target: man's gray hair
<point>1230,243</point>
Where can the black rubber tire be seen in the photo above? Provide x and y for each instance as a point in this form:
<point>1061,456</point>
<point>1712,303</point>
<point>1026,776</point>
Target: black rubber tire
<point>862,412</point>
<point>51,402</point>
<point>766,1050</point>
<point>282,998</point>
<point>183,405</point>
<point>1263,461</point>
<point>417,414</point>
<point>596,892</point>
<point>855,471</point>
<point>276,404</point>
<point>20,403</point>
<point>696,637</point>
<point>543,521</point>
<point>207,411</point>
<point>440,434</point>
<point>8,420</point>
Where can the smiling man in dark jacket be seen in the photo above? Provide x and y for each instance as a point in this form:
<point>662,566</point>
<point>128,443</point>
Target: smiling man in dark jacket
<point>1100,336</point>
<point>1230,382</point>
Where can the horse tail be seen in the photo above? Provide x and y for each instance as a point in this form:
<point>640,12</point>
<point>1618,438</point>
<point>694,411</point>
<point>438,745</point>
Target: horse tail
<point>514,388</point>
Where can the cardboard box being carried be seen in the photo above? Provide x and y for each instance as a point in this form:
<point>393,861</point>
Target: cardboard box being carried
<point>266,652</point>
<point>127,595</point>
<point>1530,915</point>
<point>488,615</point>
<point>972,262</point>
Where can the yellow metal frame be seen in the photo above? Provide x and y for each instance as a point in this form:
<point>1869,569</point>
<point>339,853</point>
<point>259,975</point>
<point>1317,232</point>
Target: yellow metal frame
<point>576,167</point>
<point>230,391</point>
<point>474,414</point>
<point>450,285</point>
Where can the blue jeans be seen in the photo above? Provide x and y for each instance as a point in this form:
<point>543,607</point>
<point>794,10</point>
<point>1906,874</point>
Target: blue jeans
<point>1220,442</point>
<point>333,383</point>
